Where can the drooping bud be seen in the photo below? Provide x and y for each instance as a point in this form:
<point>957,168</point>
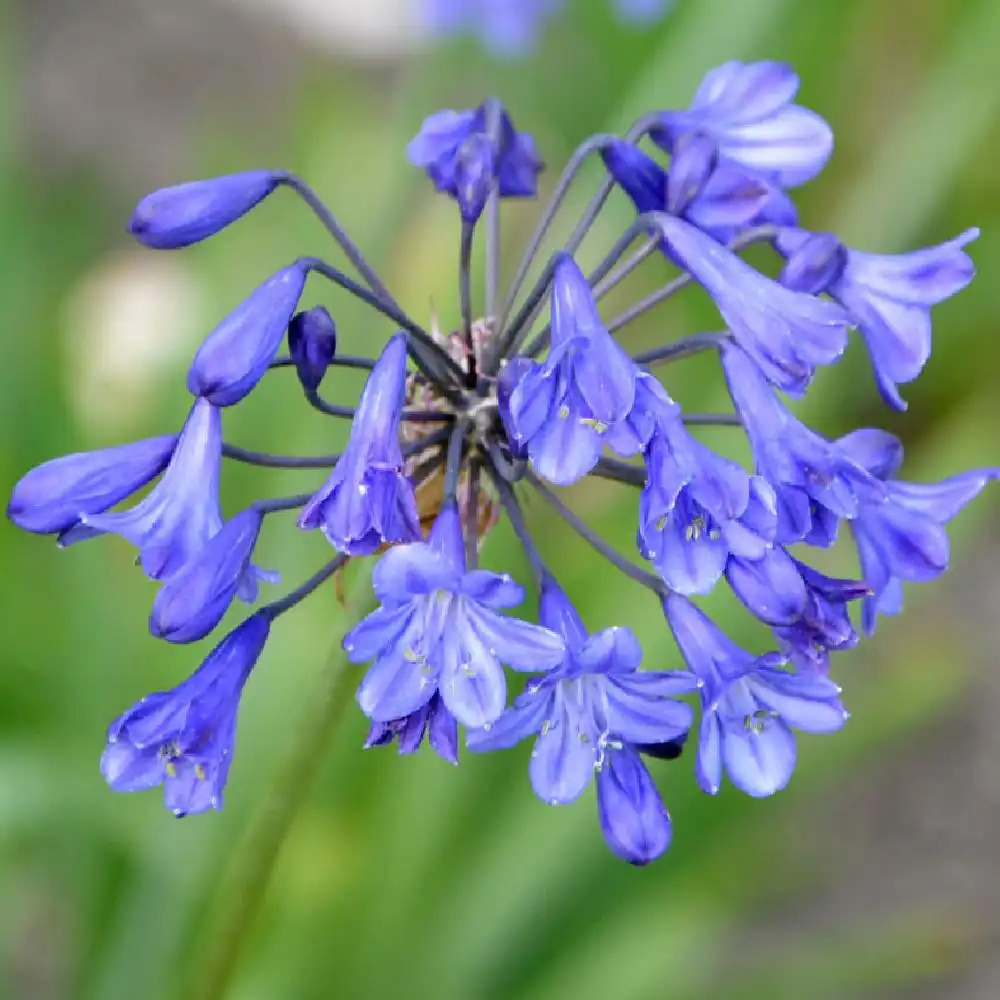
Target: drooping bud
<point>312,341</point>
<point>473,175</point>
<point>236,354</point>
<point>192,601</point>
<point>51,498</point>
<point>816,263</point>
<point>178,216</point>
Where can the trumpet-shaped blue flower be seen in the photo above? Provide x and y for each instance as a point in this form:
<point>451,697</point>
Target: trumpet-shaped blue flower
<point>183,739</point>
<point>438,630</point>
<point>825,624</point>
<point>815,480</point>
<point>178,216</point>
<point>747,109</point>
<point>749,706</point>
<point>312,343</point>
<point>193,600</point>
<point>888,296</point>
<point>174,522</point>
<point>368,499</point>
<point>51,498</point>
<point>786,333</point>
<point>903,538</point>
<point>434,719</point>
<point>560,411</point>
<point>237,353</point>
<point>697,508</point>
<point>447,148</point>
<point>589,715</point>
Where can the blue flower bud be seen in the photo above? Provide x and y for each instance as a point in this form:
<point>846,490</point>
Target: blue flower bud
<point>51,498</point>
<point>817,263</point>
<point>694,159</point>
<point>312,341</point>
<point>178,216</point>
<point>192,601</point>
<point>473,175</point>
<point>236,354</point>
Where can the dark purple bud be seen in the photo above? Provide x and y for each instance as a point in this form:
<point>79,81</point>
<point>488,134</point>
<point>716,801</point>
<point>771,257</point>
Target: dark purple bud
<point>312,341</point>
<point>236,354</point>
<point>639,176</point>
<point>51,498</point>
<point>817,263</point>
<point>695,157</point>
<point>178,216</point>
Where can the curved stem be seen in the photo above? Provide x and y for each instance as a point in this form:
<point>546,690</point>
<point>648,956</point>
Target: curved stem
<point>284,503</point>
<point>513,508</point>
<point>683,348</point>
<point>711,419</point>
<point>301,592</point>
<point>340,361</point>
<point>619,472</point>
<point>494,111</point>
<point>595,541</point>
<point>279,461</point>
<point>233,911</point>
<point>350,248</point>
<point>465,297</point>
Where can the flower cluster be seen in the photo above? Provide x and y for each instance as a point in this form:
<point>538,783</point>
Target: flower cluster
<point>511,27</point>
<point>451,430</point>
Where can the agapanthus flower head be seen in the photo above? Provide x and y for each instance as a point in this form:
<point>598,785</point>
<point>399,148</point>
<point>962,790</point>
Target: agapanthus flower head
<point>176,519</point>
<point>888,296</point>
<point>237,353</point>
<point>368,499</point>
<point>812,477</point>
<point>457,428</point>
<point>193,600</point>
<point>750,706</point>
<point>560,410</point>
<point>588,716</point>
<point>312,343</point>
<point>178,216</point>
<point>747,109</point>
<point>438,630</point>
<point>904,538</point>
<point>183,739</point>
<point>51,498</point>
<point>461,158</point>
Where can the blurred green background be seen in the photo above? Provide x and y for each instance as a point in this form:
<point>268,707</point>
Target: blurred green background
<point>876,874</point>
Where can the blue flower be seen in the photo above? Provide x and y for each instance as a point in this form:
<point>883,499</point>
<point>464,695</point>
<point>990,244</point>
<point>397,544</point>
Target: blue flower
<point>825,623</point>
<point>449,146</point>
<point>903,538</point>
<point>183,738</point>
<point>236,354</point>
<point>178,216</point>
<point>174,522</point>
<point>691,511</point>
<point>368,499</point>
<point>433,718</point>
<point>312,343</point>
<point>749,706</point>
<point>719,198</point>
<point>560,410</point>
<point>511,28</point>
<point>815,480</point>
<point>51,498</point>
<point>438,631</point>
<point>786,333</point>
<point>746,109</point>
<point>589,715</point>
<point>193,600</point>
<point>770,585</point>
<point>888,296</point>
